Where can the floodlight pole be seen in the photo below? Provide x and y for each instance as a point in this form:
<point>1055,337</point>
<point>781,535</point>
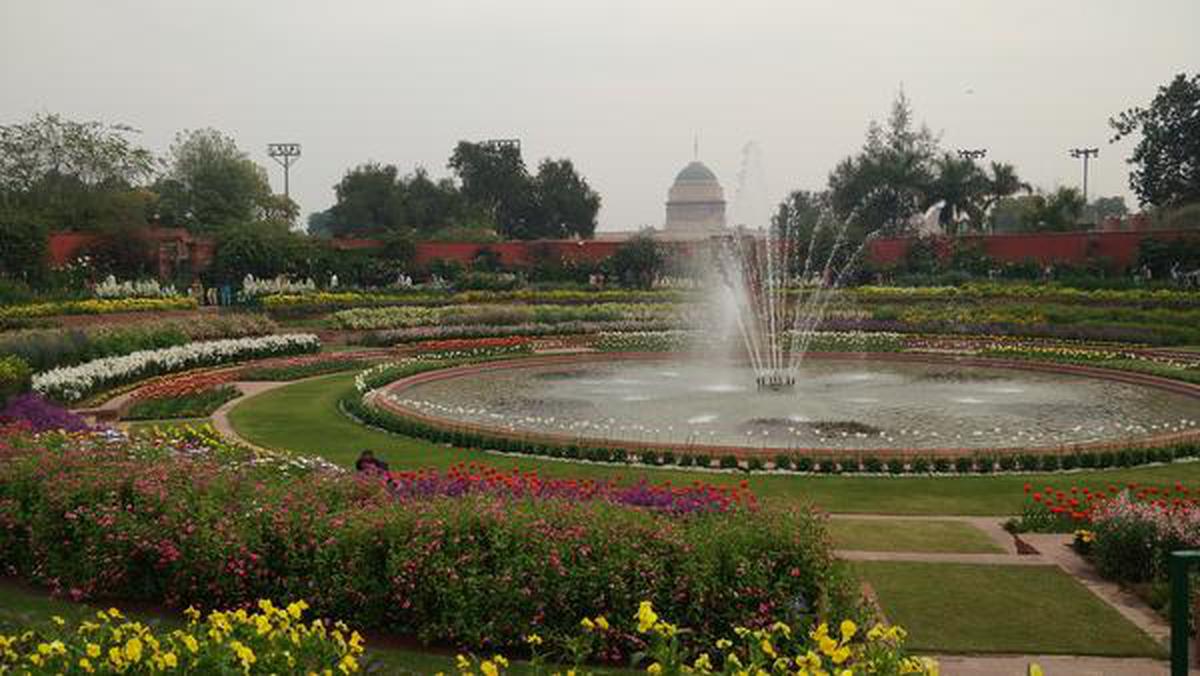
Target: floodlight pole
<point>286,154</point>
<point>972,153</point>
<point>1085,154</point>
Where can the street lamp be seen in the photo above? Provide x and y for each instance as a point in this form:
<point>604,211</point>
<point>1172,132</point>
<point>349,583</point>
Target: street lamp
<point>286,154</point>
<point>972,153</point>
<point>1085,154</point>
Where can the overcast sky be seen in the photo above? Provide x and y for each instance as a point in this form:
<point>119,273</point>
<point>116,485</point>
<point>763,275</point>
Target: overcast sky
<point>619,86</point>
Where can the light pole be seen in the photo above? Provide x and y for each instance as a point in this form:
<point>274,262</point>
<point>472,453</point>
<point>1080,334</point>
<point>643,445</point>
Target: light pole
<point>1085,154</point>
<point>972,153</point>
<point>286,154</point>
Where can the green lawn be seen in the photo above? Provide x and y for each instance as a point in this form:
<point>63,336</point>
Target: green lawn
<point>963,608</point>
<point>914,535</point>
<point>303,417</point>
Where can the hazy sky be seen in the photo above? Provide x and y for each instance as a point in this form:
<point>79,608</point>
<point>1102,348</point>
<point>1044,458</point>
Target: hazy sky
<point>619,86</point>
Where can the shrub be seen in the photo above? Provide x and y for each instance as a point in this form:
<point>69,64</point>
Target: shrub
<point>783,461</point>
<point>920,466</point>
<point>729,462</point>
<point>803,463</point>
<point>686,460</point>
<point>15,376</point>
<point>754,464</point>
<point>163,523</point>
<point>40,415</point>
<point>963,464</point>
<point>873,465</point>
<point>1008,462</point>
<point>194,405</point>
<point>1069,461</point>
<point>942,465</point>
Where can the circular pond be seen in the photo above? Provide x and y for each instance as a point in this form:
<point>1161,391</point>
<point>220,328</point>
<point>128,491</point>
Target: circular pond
<point>883,404</point>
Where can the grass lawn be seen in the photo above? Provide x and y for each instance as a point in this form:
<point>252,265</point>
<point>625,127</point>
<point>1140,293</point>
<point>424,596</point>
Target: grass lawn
<point>958,608</point>
<point>303,417</point>
<point>911,536</point>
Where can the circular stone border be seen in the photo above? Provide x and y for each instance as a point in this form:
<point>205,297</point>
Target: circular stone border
<point>745,452</point>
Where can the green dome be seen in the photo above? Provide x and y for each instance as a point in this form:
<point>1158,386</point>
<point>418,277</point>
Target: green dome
<point>696,171</point>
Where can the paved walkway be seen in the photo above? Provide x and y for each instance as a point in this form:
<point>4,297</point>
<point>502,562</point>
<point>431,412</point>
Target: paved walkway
<point>220,417</point>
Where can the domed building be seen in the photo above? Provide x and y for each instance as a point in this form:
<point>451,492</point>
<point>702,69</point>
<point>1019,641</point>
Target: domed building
<point>695,202</point>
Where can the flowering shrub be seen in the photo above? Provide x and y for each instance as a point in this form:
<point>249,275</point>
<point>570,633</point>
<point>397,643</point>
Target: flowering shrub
<point>158,520</point>
<point>253,287</point>
<point>15,376</point>
<point>184,385</point>
<point>145,288</point>
<point>1041,292</point>
<point>515,344</point>
<point>496,314</point>
<point>267,640</point>
<point>420,333</point>
<point>476,478</point>
<point>73,383</point>
<point>48,348</point>
<point>96,307</point>
<point>324,301</point>
<point>40,415</point>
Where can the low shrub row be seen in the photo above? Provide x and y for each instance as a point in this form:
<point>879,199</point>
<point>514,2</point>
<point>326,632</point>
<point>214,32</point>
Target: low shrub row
<point>399,317</point>
<point>50,348</point>
<point>71,384</point>
<point>845,462</point>
<point>199,404</point>
<point>329,301</point>
<point>1028,292</point>
<point>96,306</point>
<point>151,521</point>
<point>466,331</point>
<point>306,369</point>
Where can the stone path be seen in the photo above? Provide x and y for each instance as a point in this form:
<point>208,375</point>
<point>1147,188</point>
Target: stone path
<point>220,417</point>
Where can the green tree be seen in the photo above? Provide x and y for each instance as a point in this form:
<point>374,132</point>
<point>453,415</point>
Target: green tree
<point>1166,159</point>
<point>1102,208</point>
<point>367,200</point>
<point>494,181</point>
<point>68,174</point>
<point>959,188</point>
<point>638,262</point>
<point>211,183</point>
<point>1002,182</point>
<point>264,249</point>
<point>888,182</point>
<point>23,248</point>
<point>566,204</point>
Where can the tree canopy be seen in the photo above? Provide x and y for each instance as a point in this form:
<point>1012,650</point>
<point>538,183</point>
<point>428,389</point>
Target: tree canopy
<point>211,183</point>
<point>1166,160</point>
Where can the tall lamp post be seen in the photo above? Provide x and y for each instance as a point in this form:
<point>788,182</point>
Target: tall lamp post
<point>972,153</point>
<point>1085,154</point>
<point>286,154</point>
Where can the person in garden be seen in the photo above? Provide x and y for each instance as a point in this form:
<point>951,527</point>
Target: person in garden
<point>367,462</point>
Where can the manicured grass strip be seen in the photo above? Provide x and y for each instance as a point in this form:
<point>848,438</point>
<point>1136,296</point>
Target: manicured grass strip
<point>279,373</point>
<point>895,535</point>
<point>303,417</point>
<point>959,608</point>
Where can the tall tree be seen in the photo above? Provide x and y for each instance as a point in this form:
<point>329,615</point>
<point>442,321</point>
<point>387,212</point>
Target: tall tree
<point>960,187</point>
<point>887,183</point>
<point>494,180</point>
<point>1003,182</point>
<point>210,183</point>
<point>69,174</point>
<point>1166,159</point>
<point>367,200</point>
<point>566,204</point>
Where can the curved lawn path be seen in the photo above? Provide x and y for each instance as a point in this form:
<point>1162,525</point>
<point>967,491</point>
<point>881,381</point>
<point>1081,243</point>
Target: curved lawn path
<point>303,417</point>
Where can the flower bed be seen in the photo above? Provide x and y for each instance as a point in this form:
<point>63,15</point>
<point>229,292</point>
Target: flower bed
<point>142,288</point>
<point>46,349</point>
<point>72,384</point>
<point>199,403</point>
<point>327,301</point>
<point>301,368</point>
<point>150,521</point>
<point>501,315</point>
<point>38,415</point>
<point>96,307</point>
<point>265,641</point>
<point>15,376</point>
<point>420,333</point>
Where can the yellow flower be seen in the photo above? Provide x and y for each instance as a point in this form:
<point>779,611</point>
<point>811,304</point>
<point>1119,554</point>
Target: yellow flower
<point>170,660</point>
<point>1035,669</point>
<point>587,624</point>
<point>646,617</point>
<point>462,662</point>
<point>93,650</point>
<point>724,644</point>
<point>297,609</point>
<point>849,629</point>
<point>602,623</point>
<point>348,665</point>
<point>501,660</point>
<point>133,650</point>
<point>702,663</point>
<point>488,668</point>
<point>767,648</point>
<point>114,613</point>
<point>58,620</point>
<point>192,614</point>
<point>782,628</point>
<point>191,643</point>
<point>86,665</point>
<point>533,639</point>
<point>655,668</point>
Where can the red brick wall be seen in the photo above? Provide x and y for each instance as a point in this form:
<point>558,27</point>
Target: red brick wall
<point>1046,247</point>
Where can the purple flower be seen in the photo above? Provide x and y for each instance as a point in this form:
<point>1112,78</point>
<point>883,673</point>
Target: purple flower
<point>41,414</point>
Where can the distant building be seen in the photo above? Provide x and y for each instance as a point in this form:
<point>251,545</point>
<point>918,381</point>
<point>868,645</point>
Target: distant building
<point>695,202</point>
